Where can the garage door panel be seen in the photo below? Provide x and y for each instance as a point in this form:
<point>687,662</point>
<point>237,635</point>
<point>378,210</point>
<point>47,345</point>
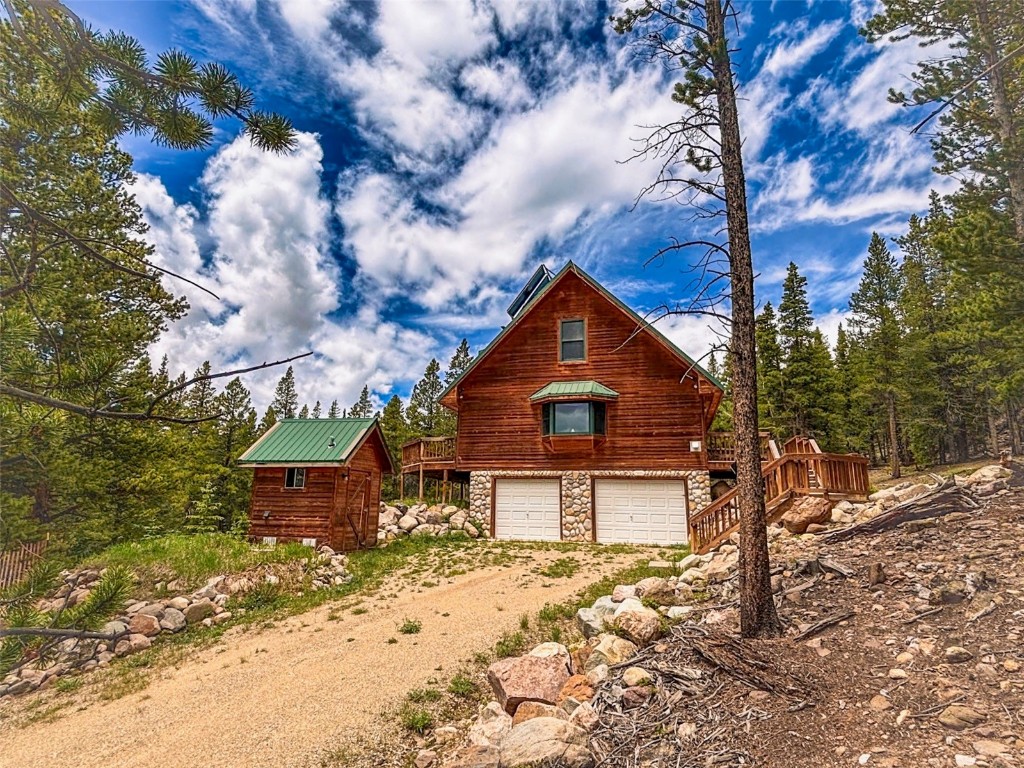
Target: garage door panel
<point>527,509</point>
<point>641,511</point>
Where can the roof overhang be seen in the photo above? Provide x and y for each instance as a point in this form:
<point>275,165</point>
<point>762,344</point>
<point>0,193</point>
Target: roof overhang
<point>573,390</point>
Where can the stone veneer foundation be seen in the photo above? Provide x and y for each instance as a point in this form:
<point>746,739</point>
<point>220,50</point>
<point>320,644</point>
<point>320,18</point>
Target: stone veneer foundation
<point>577,496</point>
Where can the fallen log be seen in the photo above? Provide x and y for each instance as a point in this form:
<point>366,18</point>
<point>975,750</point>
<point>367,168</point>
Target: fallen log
<point>946,498</point>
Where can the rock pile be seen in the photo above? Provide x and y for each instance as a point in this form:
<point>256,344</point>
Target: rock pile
<point>143,621</point>
<point>398,520</point>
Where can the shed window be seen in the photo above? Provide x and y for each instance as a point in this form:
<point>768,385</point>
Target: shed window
<point>572,339</point>
<point>295,477</point>
<point>586,418</point>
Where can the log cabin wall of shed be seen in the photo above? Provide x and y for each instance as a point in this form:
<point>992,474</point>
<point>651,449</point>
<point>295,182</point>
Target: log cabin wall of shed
<point>649,426</point>
<point>371,457</point>
<point>295,513</point>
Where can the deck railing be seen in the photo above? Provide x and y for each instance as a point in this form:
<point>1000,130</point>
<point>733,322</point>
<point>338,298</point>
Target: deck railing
<point>838,475</point>
<point>721,447</point>
<point>428,450</point>
<point>16,563</point>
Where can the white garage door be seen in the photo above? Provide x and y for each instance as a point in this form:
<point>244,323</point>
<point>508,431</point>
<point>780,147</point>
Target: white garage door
<point>528,510</point>
<point>640,511</point>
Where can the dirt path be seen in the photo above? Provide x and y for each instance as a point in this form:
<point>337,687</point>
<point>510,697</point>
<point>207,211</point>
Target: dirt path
<point>298,692</point>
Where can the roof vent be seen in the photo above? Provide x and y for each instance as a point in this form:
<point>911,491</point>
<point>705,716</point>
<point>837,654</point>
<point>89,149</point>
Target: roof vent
<point>330,441</point>
<point>540,278</point>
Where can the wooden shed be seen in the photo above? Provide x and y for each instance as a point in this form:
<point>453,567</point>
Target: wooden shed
<point>318,481</point>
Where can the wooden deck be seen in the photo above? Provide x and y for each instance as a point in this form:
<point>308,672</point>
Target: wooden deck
<point>839,476</point>
<point>433,458</point>
<point>721,448</point>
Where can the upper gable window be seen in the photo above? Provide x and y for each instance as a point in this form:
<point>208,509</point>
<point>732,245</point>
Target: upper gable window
<point>572,340</point>
<point>295,477</point>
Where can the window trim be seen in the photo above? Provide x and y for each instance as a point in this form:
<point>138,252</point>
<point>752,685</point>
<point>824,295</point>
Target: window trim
<point>297,473</point>
<point>561,342</point>
<point>548,418</point>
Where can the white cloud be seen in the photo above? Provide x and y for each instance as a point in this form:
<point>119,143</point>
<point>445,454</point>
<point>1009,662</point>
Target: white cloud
<point>696,335</point>
<point>267,225</point>
<point>536,177</point>
<point>829,324</point>
<point>790,57</point>
<point>500,83</point>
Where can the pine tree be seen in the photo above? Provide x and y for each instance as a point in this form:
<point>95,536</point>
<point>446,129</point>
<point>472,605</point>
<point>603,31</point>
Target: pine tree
<point>315,413</point>
<point>334,411</point>
<point>447,422</point>
<point>286,399</point>
<point>801,379</point>
<point>770,383</point>
<point>396,432</point>
<point>269,419</point>
<point>304,412</point>
<point>363,407</point>
<point>423,410</point>
<point>876,322</point>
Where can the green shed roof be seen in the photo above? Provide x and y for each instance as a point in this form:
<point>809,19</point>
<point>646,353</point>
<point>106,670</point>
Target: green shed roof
<point>308,441</point>
<point>573,389</point>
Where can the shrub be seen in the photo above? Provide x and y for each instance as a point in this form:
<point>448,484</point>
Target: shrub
<point>462,686</point>
<point>410,627</point>
<point>510,644</point>
<point>415,719</point>
<point>423,695</point>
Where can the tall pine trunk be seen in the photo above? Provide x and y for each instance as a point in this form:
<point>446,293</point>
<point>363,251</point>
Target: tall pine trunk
<point>894,437</point>
<point>993,431</point>
<point>1002,110</point>
<point>757,609</point>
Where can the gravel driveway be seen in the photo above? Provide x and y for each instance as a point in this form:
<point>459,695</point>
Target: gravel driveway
<point>299,692</point>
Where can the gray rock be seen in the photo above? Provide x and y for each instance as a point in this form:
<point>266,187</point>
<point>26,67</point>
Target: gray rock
<point>407,523</point>
<point>199,611</point>
<point>178,603</point>
<point>173,620</point>
<point>590,621</point>
<point>546,740</point>
<point>493,724</point>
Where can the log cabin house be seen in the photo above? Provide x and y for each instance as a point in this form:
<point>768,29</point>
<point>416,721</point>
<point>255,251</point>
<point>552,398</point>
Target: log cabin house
<point>582,422</point>
<point>318,481</point>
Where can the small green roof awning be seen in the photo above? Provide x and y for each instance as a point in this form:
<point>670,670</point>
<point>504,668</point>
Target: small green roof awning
<point>584,389</point>
<point>308,441</point>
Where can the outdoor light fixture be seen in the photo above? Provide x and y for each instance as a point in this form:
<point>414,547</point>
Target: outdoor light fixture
<point>695,446</point>
<point>266,514</point>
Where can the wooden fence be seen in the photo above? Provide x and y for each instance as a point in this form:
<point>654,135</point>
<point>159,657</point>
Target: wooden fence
<point>16,563</point>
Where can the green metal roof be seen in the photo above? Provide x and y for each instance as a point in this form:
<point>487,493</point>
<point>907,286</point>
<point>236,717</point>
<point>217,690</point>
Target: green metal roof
<point>573,267</point>
<point>308,441</point>
<point>574,389</point>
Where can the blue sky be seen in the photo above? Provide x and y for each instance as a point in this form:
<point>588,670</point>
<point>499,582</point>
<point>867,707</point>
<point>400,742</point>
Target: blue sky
<point>447,148</point>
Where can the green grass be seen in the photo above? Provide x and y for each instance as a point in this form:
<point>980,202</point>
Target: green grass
<point>68,684</point>
<point>423,695</point>
<point>563,567</point>
<point>192,559</point>
<point>510,644</point>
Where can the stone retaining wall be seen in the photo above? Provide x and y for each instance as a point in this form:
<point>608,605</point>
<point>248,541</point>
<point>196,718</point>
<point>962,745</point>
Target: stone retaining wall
<point>577,494</point>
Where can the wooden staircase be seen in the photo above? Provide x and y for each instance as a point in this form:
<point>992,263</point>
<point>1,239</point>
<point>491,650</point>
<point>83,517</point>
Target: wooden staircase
<point>801,470</point>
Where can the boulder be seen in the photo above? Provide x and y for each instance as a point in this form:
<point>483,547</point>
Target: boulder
<point>623,592</point>
<point>470,530</point>
<point>132,644</point>
<point>634,676</point>
<point>144,624</point>
<point>605,605</point>
<point>912,492</point>
<point>812,509</point>
<point>546,741</point>
<point>531,709</point>
<point>591,622</point>
<point>987,474</point>
<point>199,610</point>
<point>491,726</point>
<point>610,650</point>
<point>693,576</point>
<point>388,516</point>
<point>433,516</point>
<point>576,687</point>
<point>657,590</point>
<point>178,603</point>
<point>527,678</point>
<point>476,756</point>
<point>153,609</point>
<point>114,628</point>
<point>407,523</point>
<point>718,570</point>
<point>585,716</point>
<point>641,625</point>
<point>173,620</point>
<point>553,650</point>
<point>958,717</point>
